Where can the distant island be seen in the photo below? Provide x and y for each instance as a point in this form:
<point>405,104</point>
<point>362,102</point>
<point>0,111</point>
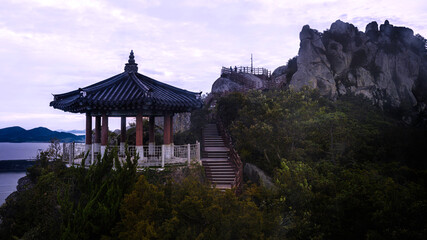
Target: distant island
<point>40,134</point>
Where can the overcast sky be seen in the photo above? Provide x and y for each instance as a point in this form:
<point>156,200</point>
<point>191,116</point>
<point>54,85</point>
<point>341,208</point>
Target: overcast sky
<point>55,46</point>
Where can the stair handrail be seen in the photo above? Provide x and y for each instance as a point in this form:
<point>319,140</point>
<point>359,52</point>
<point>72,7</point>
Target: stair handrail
<point>233,155</point>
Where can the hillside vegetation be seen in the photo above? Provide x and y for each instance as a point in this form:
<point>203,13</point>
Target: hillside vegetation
<point>343,169</point>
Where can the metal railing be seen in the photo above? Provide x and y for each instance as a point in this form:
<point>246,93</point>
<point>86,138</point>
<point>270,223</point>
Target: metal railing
<point>233,155</point>
<point>72,151</point>
<point>251,70</point>
<point>189,151</point>
<point>154,155</point>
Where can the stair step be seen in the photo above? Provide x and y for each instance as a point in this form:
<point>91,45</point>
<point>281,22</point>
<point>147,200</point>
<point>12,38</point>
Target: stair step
<point>219,170</point>
<point>223,187</point>
<point>222,177</point>
<point>214,145</point>
<point>219,154</point>
<point>222,182</point>
<point>217,165</point>
<point>215,155</point>
<point>229,171</point>
<point>216,178</point>
<point>215,160</point>
<point>225,164</point>
<point>222,173</point>
<point>215,170</point>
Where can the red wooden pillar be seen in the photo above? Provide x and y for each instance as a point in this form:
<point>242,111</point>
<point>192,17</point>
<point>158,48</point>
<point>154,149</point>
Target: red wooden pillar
<point>167,129</point>
<point>167,149</point>
<point>123,130</point>
<point>139,135</point>
<point>104,130</point>
<point>88,129</point>
<point>88,146</point>
<point>98,130</point>
<point>171,130</point>
<point>122,135</point>
<point>151,138</point>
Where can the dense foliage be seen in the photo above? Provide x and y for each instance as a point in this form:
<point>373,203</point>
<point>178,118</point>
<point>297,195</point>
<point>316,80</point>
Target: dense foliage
<point>343,169</point>
<point>189,210</point>
<point>68,203</point>
<point>110,201</point>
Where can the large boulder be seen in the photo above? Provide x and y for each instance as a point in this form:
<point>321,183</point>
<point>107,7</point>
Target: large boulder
<point>223,84</point>
<point>237,82</point>
<point>256,175</point>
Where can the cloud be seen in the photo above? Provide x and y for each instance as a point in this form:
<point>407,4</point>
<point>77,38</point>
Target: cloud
<point>55,46</point>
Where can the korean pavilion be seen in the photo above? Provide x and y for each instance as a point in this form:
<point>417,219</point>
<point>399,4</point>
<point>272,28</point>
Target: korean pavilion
<point>128,94</point>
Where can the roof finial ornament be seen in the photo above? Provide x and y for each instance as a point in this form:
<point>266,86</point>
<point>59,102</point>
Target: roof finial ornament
<point>131,66</point>
<point>131,57</point>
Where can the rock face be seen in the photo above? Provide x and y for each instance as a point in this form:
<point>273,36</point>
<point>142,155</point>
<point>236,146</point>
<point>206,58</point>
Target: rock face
<point>386,65</point>
<point>24,184</point>
<point>314,69</point>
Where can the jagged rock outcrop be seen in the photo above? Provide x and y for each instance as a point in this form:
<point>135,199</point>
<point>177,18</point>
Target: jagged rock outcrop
<point>386,65</point>
<point>314,69</point>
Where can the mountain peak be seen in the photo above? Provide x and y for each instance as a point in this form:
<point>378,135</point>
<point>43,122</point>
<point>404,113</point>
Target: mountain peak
<point>39,134</point>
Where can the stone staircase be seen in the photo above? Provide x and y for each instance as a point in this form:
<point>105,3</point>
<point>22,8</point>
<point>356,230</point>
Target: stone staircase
<point>219,170</point>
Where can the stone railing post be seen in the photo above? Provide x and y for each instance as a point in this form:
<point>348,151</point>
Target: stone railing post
<point>198,150</point>
<point>92,153</point>
<point>71,152</point>
<point>64,152</point>
<point>188,153</point>
<point>163,156</point>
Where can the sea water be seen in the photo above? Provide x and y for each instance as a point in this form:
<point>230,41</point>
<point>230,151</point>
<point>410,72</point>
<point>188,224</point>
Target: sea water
<point>16,151</point>
<point>8,183</point>
<point>21,151</point>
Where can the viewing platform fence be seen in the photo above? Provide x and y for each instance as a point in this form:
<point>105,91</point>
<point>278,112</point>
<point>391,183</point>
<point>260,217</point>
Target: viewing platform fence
<point>154,155</point>
<point>251,70</point>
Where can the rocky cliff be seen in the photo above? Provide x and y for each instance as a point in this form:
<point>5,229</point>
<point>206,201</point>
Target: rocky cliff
<point>386,64</point>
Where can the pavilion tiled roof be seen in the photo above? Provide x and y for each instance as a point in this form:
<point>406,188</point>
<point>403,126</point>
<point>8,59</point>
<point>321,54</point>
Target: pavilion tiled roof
<point>128,92</point>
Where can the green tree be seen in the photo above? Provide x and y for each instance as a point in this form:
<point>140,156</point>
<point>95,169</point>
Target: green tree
<point>188,210</point>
